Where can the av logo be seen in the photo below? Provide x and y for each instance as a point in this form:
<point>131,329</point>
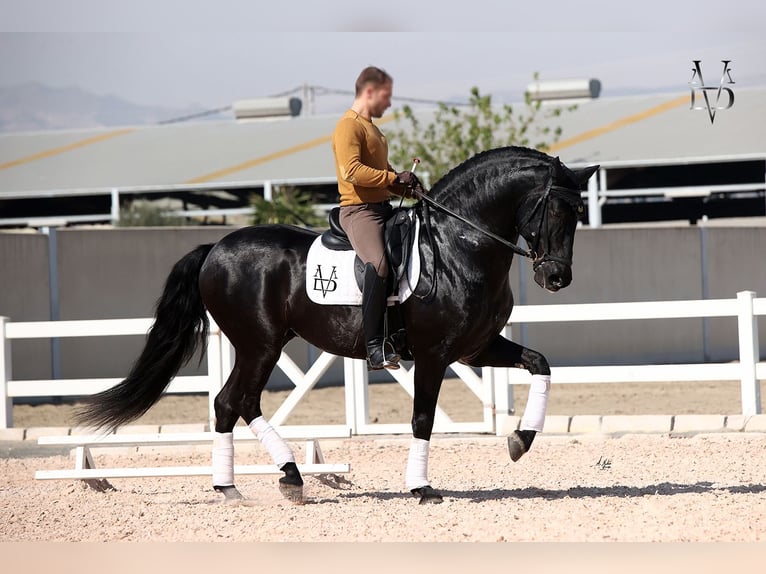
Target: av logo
<point>325,285</point>
<point>709,91</point>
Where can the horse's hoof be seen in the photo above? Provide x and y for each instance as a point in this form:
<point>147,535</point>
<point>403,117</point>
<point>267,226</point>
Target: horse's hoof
<point>230,493</point>
<point>427,495</point>
<point>520,442</point>
<point>292,492</point>
<point>516,446</point>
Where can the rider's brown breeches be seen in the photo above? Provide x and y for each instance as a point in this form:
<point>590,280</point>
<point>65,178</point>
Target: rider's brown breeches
<point>364,226</point>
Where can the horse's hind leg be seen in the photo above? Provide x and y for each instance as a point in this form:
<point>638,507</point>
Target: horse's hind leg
<point>502,352</point>
<point>241,397</point>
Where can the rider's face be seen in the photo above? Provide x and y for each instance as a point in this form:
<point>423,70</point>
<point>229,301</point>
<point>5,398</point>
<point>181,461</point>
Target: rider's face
<point>379,98</point>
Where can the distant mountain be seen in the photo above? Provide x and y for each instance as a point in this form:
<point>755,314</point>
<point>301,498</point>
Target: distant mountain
<point>34,106</point>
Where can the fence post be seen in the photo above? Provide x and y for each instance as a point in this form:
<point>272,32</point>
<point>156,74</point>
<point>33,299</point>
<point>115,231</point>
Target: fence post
<point>747,324</point>
<point>357,395</point>
<point>350,388</point>
<point>115,208</point>
<point>6,402</point>
<point>500,380</point>
<point>594,208</point>
<point>214,368</point>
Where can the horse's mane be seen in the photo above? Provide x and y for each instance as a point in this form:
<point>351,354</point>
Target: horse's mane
<point>510,156</point>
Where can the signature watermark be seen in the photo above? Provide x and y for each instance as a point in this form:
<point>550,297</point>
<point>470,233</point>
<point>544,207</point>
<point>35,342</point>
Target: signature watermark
<point>604,463</point>
<point>711,93</point>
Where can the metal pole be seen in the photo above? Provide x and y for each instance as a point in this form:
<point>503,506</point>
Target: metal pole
<point>53,279</point>
<point>704,268</point>
<point>6,402</point>
<point>594,209</point>
<point>267,190</point>
<point>115,206</point>
<point>749,354</point>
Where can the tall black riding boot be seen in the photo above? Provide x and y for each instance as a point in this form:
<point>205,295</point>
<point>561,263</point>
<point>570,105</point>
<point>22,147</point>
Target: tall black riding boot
<point>380,353</point>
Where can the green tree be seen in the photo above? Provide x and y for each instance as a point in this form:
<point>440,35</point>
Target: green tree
<point>144,213</point>
<point>288,205</point>
<point>458,133</point>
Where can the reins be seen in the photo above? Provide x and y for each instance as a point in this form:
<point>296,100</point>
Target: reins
<point>512,246</point>
<point>570,196</point>
<point>560,191</point>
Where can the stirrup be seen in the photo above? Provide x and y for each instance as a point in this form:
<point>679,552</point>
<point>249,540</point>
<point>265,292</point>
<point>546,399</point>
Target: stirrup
<point>390,361</point>
<point>379,358</point>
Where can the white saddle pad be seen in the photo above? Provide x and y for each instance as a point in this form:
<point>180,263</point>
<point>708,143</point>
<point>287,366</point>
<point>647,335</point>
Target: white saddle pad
<point>330,275</point>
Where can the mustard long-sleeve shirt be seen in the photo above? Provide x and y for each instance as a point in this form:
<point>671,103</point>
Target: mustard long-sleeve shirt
<point>361,161</point>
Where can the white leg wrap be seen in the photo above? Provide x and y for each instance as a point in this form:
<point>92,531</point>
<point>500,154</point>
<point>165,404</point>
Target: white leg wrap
<point>223,459</point>
<point>277,447</point>
<point>537,403</point>
<point>417,464</point>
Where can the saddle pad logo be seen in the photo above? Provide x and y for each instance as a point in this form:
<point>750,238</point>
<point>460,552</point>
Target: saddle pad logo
<point>325,285</point>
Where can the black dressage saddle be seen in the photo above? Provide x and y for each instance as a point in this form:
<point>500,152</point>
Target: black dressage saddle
<point>399,238</point>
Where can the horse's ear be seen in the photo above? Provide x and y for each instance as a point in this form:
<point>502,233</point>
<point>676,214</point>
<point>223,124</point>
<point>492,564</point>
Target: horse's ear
<point>583,175</point>
<point>560,171</point>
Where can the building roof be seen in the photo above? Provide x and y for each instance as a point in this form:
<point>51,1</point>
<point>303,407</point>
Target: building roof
<point>657,128</point>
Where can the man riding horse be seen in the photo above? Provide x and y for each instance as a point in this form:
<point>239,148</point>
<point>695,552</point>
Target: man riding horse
<point>366,182</point>
<point>254,284</point>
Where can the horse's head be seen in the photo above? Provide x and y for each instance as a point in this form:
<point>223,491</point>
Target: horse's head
<point>548,219</point>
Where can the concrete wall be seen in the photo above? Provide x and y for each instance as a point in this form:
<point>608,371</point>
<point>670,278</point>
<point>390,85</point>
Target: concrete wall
<point>102,274</point>
<point>736,263</point>
<point>115,274</point>
<point>615,265</point>
<point>119,273</point>
<point>24,296</point>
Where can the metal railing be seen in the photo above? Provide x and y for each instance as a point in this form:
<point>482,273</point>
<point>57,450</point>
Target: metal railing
<point>597,193</point>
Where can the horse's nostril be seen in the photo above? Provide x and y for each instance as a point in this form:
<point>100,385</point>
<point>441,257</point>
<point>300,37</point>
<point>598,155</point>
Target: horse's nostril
<point>556,280</point>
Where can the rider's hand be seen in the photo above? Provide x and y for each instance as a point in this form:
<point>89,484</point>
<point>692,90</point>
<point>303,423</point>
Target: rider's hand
<point>410,181</point>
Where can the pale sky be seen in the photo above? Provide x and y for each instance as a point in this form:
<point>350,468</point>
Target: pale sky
<point>182,52</point>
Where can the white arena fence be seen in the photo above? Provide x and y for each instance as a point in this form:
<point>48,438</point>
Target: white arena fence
<point>493,387</point>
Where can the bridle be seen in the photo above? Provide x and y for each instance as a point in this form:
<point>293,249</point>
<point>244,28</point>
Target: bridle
<point>569,195</point>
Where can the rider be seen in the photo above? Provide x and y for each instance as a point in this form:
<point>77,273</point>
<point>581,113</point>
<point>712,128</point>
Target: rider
<point>366,182</point>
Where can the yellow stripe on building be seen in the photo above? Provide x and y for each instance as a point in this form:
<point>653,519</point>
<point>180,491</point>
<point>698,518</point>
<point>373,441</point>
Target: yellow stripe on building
<point>221,173</point>
<point>65,148</point>
<point>617,124</point>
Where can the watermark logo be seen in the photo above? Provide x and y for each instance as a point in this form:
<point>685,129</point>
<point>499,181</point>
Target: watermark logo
<point>325,285</point>
<point>604,463</point>
<point>712,93</point>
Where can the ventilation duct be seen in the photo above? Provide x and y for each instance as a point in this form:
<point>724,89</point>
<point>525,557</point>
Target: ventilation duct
<point>266,108</point>
<point>575,89</point>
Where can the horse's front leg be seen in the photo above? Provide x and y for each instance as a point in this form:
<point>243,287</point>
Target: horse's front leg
<point>428,380</point>
<point>504,353</point>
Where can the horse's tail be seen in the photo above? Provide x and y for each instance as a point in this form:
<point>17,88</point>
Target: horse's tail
<point>180,328</point>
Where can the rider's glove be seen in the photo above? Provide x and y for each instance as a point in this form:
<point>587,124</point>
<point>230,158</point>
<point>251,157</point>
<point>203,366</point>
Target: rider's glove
<point>411,182</point>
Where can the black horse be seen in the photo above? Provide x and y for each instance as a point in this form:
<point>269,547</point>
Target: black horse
<point>253,284</point>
